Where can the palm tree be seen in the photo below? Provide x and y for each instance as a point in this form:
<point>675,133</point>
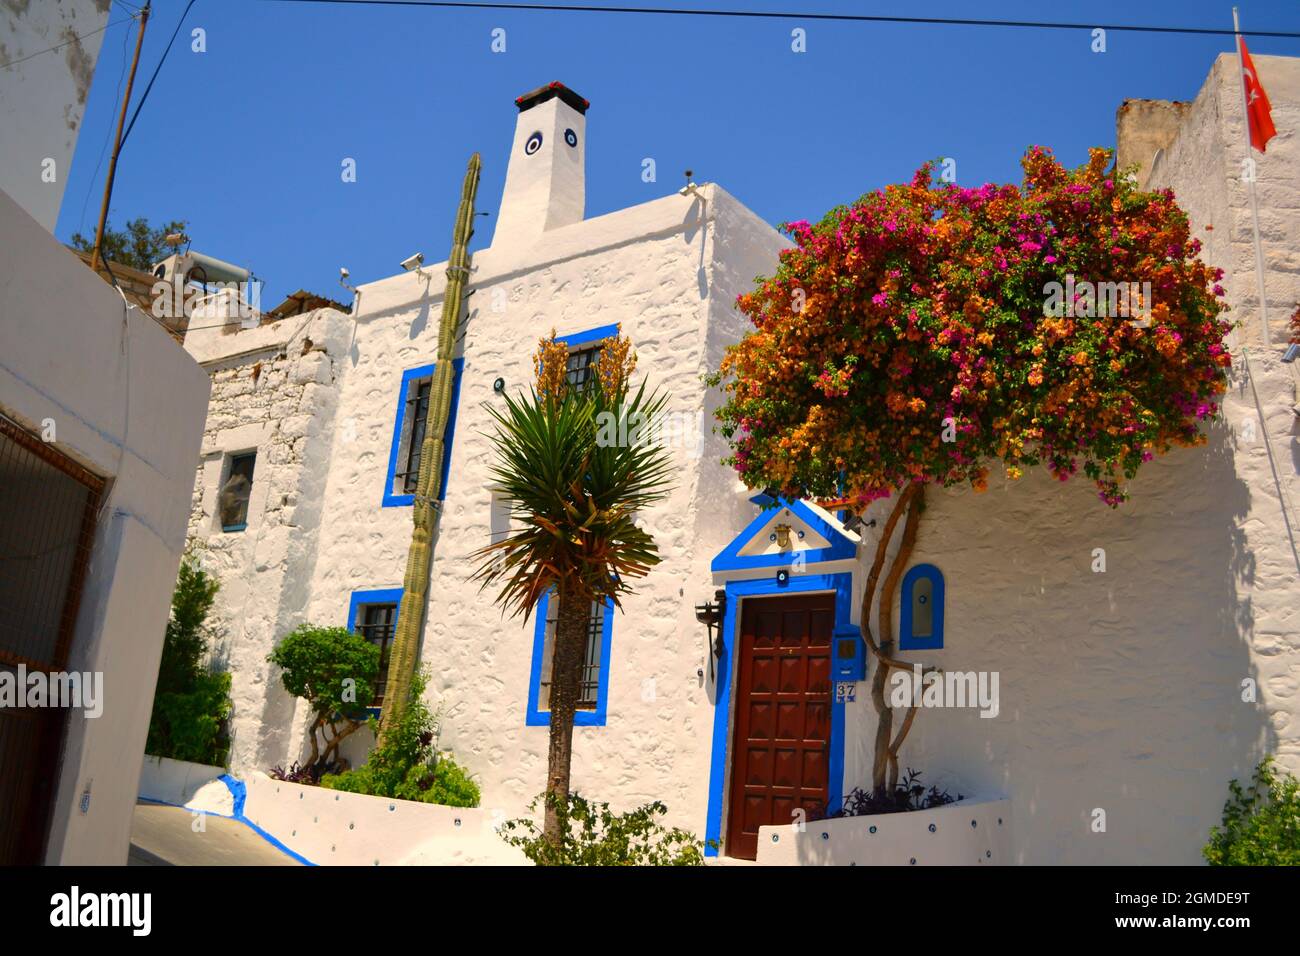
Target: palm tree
<point>574,494</point>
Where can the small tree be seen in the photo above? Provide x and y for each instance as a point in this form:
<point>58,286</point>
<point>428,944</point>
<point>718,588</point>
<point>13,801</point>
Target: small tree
<point>1261,824</point>
<point>139,245</point>
<point>577,465</point>
<point>191,704</point>
<point>334,670</point>
<point>928,333</point>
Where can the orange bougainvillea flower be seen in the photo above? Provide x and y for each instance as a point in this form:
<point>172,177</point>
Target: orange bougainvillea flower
<point>946,327</point>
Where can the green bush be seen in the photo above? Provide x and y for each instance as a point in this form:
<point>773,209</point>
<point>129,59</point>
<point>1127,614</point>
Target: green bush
<point>1261,823</point>
<point>334,670</point>
<point>191,705</point>
<point>592,835</point>
<point>407,766</point>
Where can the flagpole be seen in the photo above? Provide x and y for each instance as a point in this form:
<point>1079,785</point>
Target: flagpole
<point>1250,177</point>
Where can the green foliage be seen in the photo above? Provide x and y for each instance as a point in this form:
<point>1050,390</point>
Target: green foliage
<point>191,705</point>
<point>576,470</point>
<point>407,766</point>
<point>1261,823</point>
<point>185,644</point>
<point>592,835</point>
<point>190,725</point>
<point>331,668</point>
<point>139,245</point>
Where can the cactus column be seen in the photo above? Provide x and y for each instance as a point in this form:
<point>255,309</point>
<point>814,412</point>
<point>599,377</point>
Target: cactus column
<point>410,617</point>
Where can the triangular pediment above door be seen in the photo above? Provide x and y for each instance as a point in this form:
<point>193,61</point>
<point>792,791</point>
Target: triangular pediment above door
<point>815,537</point>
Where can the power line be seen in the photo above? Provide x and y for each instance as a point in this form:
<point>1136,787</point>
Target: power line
<point>801,15</point>
<point>145,95</point>
<point>68,42</point>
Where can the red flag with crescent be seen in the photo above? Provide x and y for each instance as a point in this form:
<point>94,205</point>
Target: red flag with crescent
<point>1258,112</point>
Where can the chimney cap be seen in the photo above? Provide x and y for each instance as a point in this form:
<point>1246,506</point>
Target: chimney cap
<point>550,91</point>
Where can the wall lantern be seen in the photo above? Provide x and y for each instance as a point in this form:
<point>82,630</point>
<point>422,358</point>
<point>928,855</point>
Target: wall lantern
<point>782,535</point>
<point>711,615</point>
<point>854,522</point>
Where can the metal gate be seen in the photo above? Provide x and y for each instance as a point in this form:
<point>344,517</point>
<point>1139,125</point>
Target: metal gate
<point>48,510</point>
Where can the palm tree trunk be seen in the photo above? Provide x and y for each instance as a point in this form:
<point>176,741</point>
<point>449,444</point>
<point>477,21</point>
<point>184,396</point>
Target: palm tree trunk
<point>566,679</point>
<point>415,593</point>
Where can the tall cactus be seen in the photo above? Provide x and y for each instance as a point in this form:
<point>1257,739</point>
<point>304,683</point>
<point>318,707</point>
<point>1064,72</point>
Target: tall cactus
<point>410,617</point>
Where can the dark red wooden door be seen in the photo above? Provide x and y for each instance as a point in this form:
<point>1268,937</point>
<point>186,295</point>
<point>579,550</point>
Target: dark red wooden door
<point>783,706</point>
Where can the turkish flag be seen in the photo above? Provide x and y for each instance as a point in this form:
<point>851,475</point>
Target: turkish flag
<point>1258,112</point>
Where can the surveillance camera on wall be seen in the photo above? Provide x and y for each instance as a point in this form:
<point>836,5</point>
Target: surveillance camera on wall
<point>343,272</point>
<point>413,263</point>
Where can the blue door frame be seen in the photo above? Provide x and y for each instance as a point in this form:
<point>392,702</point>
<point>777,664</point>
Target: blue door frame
<point>841,585</point>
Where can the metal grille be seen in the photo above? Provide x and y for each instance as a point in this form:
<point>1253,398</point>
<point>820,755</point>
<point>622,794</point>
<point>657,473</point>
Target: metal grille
<point>48,507</point>
<point>589,687</point>
<point>580,373</point>
<point>417,415</point>
<point>377,623</point>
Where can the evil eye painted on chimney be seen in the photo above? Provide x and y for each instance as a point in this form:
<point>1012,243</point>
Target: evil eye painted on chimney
<point>534,143</point>
<point>571,138</point>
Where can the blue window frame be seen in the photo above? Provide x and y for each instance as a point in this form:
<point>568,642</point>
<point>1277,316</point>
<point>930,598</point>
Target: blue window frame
<point>370,616</point>
<point>594,691</point>
<point>408,422</point>
<point>921,626</point>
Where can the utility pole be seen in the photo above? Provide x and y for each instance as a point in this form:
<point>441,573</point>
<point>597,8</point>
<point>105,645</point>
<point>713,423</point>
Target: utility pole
<point>117,142</point>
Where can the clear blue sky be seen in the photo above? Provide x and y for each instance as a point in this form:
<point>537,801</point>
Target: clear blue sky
<point>245,141</point>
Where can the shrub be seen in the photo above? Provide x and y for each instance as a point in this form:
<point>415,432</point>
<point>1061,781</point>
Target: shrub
<point>1261,823</point>
<point>334,670</point>
<point>907,795</point>
<point>592,835</point>
<point>191,704</point>
<point>407,765</point>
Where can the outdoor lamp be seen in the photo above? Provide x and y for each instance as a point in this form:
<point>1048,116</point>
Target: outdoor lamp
<point>782,535</point>
<point>711,616</point>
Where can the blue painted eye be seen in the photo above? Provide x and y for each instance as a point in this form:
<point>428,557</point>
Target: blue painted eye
<point>534,143</point>
<point>922,598</point>
<point>571,137</point>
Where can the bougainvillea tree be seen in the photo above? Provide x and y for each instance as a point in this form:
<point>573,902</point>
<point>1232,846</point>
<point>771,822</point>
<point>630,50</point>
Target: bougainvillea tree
<point>929,333</point>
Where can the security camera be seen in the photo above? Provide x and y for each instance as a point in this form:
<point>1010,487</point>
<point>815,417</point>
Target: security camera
<point>413,263</point>
<point>343,272</point>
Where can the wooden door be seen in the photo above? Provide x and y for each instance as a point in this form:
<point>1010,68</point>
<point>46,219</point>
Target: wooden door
<point>781,748</point>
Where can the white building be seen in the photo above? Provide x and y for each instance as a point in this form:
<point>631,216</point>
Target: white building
<point>101,413</point>
<point>1120,691</point>
<point>51,49</point>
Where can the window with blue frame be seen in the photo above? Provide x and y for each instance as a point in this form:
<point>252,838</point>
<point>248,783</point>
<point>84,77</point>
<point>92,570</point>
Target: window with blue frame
<point>409,431</point>
<point>593,684</point>
<point>373,615</point>
<point>921,624</point>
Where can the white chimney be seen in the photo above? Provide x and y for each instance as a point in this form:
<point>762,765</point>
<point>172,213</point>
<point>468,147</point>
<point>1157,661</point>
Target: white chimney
<point>545,181</point>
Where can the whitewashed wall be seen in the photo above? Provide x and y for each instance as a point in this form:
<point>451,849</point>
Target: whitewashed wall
<point>668,271</point>
<point>1122,691</point>
<point>43,98</point>
<point>128,404</point>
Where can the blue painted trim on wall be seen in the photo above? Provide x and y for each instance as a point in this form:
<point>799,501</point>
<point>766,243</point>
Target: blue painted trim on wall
<point>578,339</point>
<point>842,585</point>
<point>239,793</point>
<point>375,596</point>
<point>390,499</point>
<point>906,642</point>
<point>535,716</point>
<point>841,545</point>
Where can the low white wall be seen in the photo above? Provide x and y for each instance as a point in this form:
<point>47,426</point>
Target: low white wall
<point>184,784</point>
<point>332,828</point>
<point>967,833</point>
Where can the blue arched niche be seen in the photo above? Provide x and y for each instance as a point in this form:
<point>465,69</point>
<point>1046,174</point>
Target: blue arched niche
<point>921,625</point>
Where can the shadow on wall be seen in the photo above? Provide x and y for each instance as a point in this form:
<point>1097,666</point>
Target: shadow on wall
<point>1120,692</point>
